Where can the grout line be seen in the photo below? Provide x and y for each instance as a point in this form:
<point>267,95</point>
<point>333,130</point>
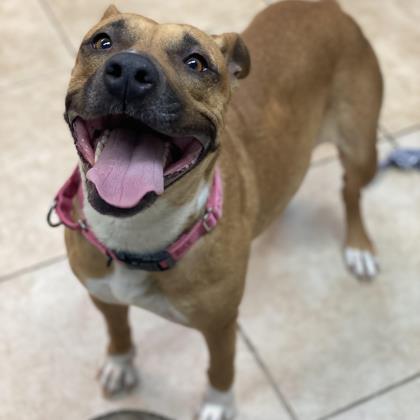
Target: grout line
<point>33,267</point>
<point>386,137</point>
<point>267,373</point>
<point>58,27</point>
<point>390,138</point>
<point>372,396</point>
<point>407,130</point>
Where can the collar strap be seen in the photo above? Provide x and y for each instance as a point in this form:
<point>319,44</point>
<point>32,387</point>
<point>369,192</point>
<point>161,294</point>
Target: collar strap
<point>158,261</point>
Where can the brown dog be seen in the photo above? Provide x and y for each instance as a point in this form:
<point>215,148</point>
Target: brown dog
<point>152,116</point>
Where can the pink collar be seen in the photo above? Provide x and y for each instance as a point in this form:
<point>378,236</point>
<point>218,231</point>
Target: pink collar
<point>158,261</point>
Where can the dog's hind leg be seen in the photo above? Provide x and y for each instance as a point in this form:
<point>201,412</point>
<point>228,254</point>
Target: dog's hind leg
<point>359,251</point>
<point>219,403</point>
<point>118,374</point>
<point>357,150</point>
<point>354,132</point>
<point>356,106</point>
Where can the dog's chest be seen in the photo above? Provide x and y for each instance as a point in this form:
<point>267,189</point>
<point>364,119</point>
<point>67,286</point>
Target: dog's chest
<point>133,287</point>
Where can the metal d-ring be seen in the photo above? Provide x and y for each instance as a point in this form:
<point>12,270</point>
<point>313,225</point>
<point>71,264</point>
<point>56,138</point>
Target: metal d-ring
<point>207,214</point>
<point>49,216</point>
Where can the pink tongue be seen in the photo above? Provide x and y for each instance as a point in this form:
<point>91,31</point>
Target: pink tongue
<point>128,168</point>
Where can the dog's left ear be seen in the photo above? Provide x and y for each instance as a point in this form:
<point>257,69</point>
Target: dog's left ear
<point>236,54</point>
<point>110,11</point>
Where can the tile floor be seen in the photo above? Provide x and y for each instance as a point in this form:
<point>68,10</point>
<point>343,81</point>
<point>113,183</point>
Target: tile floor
<point>314,343</point>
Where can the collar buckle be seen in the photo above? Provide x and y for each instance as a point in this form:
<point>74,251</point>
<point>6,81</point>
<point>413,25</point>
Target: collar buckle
<point>159,261</point>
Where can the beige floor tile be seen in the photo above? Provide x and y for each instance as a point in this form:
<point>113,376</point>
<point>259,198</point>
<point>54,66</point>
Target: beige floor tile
<point>53,341</point>
<point>327,338</point>
<point>30,46</point>
<point>215,17</point>
<point>392,27</point>
<point>394,31</point>
<point>323,153</point>
<point>37,156</point>
<point>410,138</point>
<point>400,404</point>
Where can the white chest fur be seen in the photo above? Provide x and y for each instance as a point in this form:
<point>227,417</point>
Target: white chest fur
<point>150,230</point>
<point>133,287</point>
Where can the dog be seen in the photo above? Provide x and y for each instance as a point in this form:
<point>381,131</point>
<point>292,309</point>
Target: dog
<point>189,146</point>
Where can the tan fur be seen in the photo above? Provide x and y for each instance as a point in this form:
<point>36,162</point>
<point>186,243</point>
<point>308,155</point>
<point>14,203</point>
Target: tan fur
<point>312,72</point>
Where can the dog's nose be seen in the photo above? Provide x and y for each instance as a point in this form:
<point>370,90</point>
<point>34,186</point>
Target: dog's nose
<point>130,75</point>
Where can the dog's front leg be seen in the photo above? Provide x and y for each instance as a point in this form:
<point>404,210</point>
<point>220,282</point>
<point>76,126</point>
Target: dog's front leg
<point>218,403</point>
<point>118,374</point>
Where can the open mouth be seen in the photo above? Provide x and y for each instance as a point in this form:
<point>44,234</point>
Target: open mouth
<point>125,160</point>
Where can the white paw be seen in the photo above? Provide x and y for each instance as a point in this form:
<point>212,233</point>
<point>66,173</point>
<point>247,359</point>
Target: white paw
<point>118,375</point>
<point>217,405</point>
<point>361,263</point>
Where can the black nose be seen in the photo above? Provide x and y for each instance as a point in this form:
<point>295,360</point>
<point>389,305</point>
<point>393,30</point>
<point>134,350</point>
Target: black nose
<point>130,75</point>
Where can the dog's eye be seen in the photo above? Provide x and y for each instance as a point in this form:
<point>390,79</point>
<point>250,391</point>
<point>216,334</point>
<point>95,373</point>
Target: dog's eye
<point>196,62</point>
<point>101,42</point>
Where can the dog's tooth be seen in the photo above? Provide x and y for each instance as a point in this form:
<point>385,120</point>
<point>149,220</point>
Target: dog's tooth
<point>98,150</point>
<point>101,143</point>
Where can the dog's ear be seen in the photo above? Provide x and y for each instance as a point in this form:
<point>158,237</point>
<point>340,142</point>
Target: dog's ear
<point>236,53</point>
<point>110,11</point>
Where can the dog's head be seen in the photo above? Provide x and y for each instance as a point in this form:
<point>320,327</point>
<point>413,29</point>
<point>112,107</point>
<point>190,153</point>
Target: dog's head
<point>145,106</point>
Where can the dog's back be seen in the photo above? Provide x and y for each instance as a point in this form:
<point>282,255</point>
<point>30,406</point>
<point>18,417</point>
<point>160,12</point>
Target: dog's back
<point>314,78</point>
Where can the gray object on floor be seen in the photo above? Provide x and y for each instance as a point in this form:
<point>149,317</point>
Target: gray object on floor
<point>130,415</point>
<point>403,159</point>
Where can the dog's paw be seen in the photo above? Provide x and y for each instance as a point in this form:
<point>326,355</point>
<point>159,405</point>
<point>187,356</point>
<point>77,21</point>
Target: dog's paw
<point>217,405</point>
<point>362,263</point>
<point>118,375</point>
<point>212,412</point>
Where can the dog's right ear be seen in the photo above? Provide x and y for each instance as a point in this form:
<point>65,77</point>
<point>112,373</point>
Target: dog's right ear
<point>110,11</point>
